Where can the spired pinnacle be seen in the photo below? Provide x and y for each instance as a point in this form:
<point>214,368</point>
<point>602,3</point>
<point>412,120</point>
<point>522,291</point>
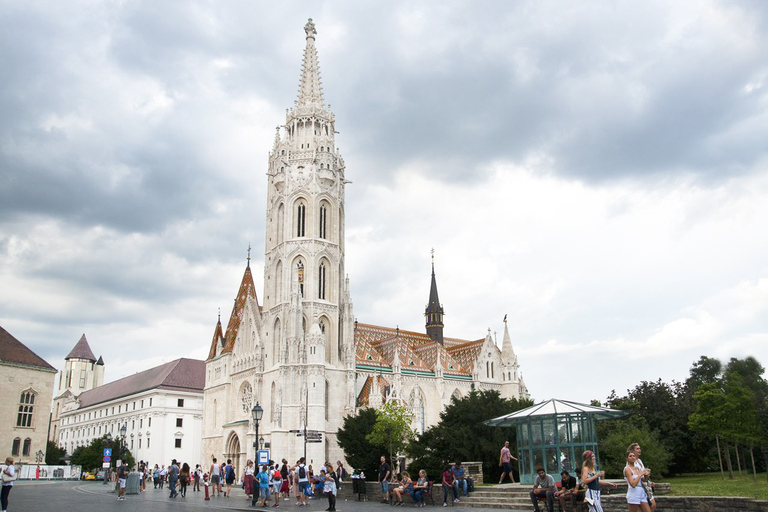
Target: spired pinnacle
<point>310,88</point>
<point>309,28</point>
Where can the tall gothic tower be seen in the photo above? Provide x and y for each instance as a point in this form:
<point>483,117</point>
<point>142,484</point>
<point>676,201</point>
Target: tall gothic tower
<point>304,260</point>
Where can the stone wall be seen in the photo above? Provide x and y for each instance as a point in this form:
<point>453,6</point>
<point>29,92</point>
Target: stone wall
<point>616,503</point>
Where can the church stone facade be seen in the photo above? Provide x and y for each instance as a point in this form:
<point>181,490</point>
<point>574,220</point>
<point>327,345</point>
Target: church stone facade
<point>301,354</point>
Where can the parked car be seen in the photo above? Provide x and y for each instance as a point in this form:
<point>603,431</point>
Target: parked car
<point>100,474</point>
<point>89,476</point>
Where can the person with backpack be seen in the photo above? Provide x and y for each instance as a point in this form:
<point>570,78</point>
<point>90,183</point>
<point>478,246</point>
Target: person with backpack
<point>277,483</point>
<point>301,472</point>
<point>197,476</point>
<point>229,478</point>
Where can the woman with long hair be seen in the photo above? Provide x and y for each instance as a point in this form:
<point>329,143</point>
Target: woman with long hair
<point>591,478</point>
<point>248,473</point>
<point>406,486</point>
<point>184,479</point>
<point>637,499</point>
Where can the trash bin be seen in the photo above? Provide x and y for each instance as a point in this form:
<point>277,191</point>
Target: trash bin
<point>132,483</point>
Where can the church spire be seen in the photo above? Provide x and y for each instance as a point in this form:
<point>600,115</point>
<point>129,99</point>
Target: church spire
<point>434,310</point>
<point>310,88</point>
<point>507,352</point>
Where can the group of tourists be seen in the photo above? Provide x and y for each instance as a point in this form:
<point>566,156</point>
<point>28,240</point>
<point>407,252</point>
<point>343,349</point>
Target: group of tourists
<point>639,487</point>
<point>395,485</point>
<point>277,481</point>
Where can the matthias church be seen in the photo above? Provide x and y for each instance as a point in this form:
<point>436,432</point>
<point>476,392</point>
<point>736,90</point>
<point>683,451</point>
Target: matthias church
<point>298,349</point>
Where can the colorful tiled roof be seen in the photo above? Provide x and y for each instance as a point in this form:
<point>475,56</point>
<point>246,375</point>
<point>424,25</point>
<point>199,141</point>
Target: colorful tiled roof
<point>247,290</point>
<point>15,353</point>
<point>364,397</point>
<point>180,375</point>
<point>375,346</point>
<point>467,353</point>
<point>81,350</point>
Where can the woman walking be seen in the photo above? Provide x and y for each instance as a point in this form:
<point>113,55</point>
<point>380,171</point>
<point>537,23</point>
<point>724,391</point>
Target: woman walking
<point>9,475</point>
<point>184,479</point>
<point>637,499</point>
<point>591,477</point>
<point>248,473</point>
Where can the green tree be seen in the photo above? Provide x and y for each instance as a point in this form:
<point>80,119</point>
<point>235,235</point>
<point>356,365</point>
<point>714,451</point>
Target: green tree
<point>461,435</point>
<point>392,429</point>
<point>360,453</point>
<point>90,456</point>
<point>623,432</point>
<point>725,408</point>
<point>54,454</point>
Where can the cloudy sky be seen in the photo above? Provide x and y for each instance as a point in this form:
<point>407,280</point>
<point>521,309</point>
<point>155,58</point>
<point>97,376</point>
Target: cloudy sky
<point>597,171</point>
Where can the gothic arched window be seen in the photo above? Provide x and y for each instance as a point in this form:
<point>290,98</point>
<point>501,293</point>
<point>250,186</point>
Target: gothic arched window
<point>321,282</point>
<point>301,219</point>
<point>300,272</point>
<point>323,228</point>
<point>27,446</point>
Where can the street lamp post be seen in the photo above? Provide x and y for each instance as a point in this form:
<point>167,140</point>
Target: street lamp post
<point>122,439</point>
<point>257,412</point>
<point>107,442</point>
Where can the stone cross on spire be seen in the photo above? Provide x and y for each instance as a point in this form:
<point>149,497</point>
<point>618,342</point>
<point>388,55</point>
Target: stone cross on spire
<point>310,88</point>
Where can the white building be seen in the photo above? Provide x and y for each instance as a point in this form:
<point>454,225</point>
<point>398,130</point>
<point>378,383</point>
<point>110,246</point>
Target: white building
<point>302,356</point>
<point>161,409</point>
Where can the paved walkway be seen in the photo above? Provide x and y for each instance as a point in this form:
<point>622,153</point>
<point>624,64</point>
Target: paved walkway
<point>95,497</point>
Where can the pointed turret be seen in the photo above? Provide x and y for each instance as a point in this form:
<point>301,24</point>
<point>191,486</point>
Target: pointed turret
<point>434,310</point>
<point>310,87</point>
<point>218,339</point>
<point>507,352</point>
<point>81,350</point>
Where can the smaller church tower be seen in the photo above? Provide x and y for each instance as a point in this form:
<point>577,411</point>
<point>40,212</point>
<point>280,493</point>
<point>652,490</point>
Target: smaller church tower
<point>434,310</point>
<point>82,372</point>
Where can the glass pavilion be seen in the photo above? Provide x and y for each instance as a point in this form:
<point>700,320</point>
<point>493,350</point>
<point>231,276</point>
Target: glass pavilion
<point>553,435</point>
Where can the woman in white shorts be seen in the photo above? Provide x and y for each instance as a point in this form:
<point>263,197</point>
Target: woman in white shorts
<point>637,499</point>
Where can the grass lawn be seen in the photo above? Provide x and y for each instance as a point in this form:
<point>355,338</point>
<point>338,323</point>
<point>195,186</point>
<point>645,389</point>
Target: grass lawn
<point>712,484</point>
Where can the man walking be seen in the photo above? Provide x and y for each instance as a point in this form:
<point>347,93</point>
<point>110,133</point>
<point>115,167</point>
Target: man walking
<point>505,463</point>
<point>122,475</point>
<point>173,477</point>
<point>384,472</point>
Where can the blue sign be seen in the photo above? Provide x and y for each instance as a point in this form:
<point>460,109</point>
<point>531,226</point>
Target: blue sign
<point>107,458</point>
<point>107,452</point>
<point>263,457</point>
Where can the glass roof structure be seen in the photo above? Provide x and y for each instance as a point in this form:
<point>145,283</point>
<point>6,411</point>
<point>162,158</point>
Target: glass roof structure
<point>553,435</point>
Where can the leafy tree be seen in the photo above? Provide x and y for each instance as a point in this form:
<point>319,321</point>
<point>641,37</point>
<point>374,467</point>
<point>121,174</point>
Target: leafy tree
<point>54,454</point>
<point>392,429</point>
<point>725,408</point>
<point>90,456</point>
<point>623,432</point>
<point>358,450</point>
<point>461,434</point>
<point>705,370</point>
